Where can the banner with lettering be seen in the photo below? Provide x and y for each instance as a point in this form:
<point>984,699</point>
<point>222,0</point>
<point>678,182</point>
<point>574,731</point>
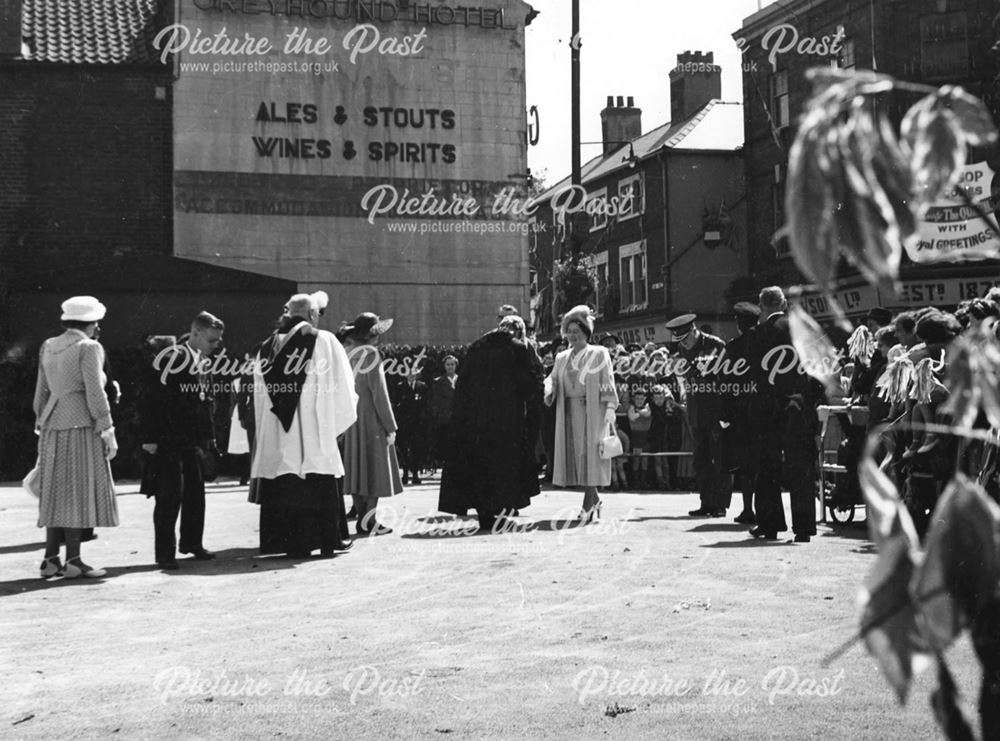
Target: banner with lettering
<point>953,230</point>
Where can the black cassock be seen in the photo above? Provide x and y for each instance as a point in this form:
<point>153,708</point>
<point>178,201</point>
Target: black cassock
<point>495,421</point>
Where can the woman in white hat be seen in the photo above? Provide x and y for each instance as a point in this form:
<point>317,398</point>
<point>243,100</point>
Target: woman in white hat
<point>76,438</point>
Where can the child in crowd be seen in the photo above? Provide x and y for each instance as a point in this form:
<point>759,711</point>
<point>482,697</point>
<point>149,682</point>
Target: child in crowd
<point>619,478</point>
<point>659,412</point>
<point>639,419</point>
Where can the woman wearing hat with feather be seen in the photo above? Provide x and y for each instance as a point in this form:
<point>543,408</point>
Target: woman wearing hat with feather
<point>582,387</point>
<point>76,439</point>
<point>372,470</point>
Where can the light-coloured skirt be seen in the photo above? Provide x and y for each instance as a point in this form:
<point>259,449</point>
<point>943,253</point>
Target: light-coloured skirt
<point>575,419</point>
<point>77,490</point>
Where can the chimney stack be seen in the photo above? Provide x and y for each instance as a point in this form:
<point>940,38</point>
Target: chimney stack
<point>620,123</point>
<point>693,82</point>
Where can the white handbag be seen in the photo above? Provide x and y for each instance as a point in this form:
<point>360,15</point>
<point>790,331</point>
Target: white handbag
<point>611,444</point>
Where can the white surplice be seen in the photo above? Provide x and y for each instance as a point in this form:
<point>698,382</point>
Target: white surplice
<point>327,407</point>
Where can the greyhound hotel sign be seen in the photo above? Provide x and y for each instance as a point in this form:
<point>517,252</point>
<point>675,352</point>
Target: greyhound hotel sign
<point>305,130</point>
<point>366,11</point>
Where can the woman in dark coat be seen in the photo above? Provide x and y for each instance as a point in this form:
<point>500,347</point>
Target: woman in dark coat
<point>495,422</point>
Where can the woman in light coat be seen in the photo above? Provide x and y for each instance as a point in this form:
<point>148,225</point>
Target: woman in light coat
<point>76,439</point>
<point>582,387</point>
<point>371,468</point>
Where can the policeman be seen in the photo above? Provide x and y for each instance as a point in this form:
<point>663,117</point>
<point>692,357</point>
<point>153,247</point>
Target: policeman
<point>702,354</point>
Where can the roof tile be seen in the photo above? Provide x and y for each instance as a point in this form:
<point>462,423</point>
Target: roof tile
<point>91,31</point>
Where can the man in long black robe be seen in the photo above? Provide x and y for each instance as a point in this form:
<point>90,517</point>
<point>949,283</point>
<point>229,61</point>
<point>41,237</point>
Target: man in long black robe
<point>495,422</point>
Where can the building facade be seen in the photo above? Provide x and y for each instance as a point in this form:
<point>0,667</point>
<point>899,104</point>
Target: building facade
<point>164,155</point>
<point>935,42</point>
<point>662,223</point>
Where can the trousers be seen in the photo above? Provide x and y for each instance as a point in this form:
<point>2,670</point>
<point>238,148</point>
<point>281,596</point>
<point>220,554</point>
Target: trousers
<point>181,491</point>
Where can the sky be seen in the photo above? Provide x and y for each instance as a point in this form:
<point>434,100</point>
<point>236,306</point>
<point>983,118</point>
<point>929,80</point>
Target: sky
<point>628,47</point>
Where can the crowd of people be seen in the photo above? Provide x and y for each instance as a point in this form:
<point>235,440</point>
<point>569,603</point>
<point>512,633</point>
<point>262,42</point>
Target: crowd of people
<point>323,423</point>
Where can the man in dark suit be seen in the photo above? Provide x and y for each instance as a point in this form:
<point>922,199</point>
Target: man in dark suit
<point>738,438</point>
<point>700,352</point>
<point>180,436</point>
<point>411,416</point>
<point>442,396</point>
<point>784,412</point>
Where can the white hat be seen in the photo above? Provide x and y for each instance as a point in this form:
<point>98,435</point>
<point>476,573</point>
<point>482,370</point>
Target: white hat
<point>82,309</point>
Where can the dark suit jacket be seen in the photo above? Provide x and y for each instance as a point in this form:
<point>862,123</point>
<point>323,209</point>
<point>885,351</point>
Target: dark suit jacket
<point>410,406</point>
<point>177,414</point>
<point>442,396</point>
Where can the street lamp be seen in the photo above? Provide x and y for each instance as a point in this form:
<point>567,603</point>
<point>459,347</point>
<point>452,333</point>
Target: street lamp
<point>632,159</point>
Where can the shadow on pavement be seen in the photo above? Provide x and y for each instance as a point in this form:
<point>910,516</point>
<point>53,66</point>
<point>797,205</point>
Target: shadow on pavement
<point>22,548</point>
<point>730,527</point>
<point>230,561</point>
<point>753,543</point>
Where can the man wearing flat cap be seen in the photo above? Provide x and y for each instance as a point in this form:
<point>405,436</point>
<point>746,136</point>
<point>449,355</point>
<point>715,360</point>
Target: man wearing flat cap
<point>699,350</point>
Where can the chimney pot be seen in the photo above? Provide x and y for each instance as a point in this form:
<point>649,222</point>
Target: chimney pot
<point>621,102</point>
<point>611,101</point>
<point>631,102</point>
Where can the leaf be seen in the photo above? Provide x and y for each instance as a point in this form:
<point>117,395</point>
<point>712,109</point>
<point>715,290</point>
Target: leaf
<point>816,353</point>
<point>876,217</point>
<point>974,376</point>
<point>961,567</point>
<point>809,201</point>
<point>888,618</point>
<point>972,115</point>
<point>986,641</point>
<point>944,703</point>
<point>937,154</point>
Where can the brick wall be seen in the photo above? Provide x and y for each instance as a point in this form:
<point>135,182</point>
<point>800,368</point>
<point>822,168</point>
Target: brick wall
<point>85,167</point>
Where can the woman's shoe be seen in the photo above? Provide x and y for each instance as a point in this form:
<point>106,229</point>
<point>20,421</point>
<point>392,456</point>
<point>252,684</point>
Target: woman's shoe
<point>588,516</point>
<point>75,568</point>
<point>50,567</point>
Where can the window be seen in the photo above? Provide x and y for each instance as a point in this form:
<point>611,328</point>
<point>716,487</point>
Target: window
<point>944,46</point>
<point>779,99</point>
<point>597,203</point>
<point>633,271</point>
<point>779,241</point>
<point>631,196</point>
<point>846,60</point>
<point>599,262</point>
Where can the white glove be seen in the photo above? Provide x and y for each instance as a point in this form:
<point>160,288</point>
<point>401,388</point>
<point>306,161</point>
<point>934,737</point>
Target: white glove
<point>390,439</point>
<point>110,444</point>
<point>609,416</point>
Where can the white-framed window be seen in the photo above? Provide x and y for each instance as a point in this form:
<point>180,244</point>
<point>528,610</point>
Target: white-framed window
<point>632,261</point>
<point>599,262</point>
<point>597,203</point>
<point>631,196</point>
<point>778,83</point>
